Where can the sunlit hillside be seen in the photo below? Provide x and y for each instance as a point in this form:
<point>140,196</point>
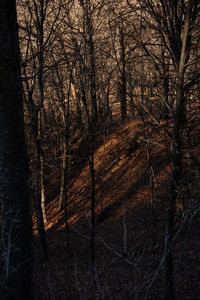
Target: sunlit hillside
<point>130,209</point>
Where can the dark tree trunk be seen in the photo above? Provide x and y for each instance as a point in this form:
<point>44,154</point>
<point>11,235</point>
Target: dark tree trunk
<point>14,173</point>
<point>177,147</point>
<point>92,172</point>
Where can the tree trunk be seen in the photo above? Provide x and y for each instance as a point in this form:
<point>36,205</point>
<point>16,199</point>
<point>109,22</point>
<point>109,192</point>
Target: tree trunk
<point>40,106</point>
<point>92,172</point>
<point>40,169</point>
<point>37,199</point>
<point>14,178</point>
<point>177,153</point>
<point>165,84</point>
<point>63,175</point>
<point>122,81</point>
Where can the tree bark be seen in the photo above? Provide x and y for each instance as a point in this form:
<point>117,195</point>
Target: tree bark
<point>14,170</point>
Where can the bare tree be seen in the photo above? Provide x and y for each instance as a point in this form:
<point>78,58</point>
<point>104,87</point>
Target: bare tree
<point>37,34</point>
<point>175,23</point>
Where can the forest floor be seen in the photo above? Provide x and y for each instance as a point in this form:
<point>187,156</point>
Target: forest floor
<point>130,226</point>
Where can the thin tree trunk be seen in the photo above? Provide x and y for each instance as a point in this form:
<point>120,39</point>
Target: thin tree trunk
<point>108,109</point>
<point>38,196</point>
<point>43,200</point>
<point>92,171</point>
<point>63,190</point>
<point>165,84</point>
<point>63,175</point>
<point>131,103</point>
<point>122,82</point>
<point>177,154</point>
<point>41,102</point>
<point>41,168</point>
<point>92,66</point>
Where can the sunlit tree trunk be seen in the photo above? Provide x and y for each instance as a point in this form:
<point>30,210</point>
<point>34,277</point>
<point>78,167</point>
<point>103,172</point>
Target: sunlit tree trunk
<point>37,184</point>
<point>41,102</point>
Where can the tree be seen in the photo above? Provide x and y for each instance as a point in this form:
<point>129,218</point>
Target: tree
<point>14,178</point>
<point>38,29</point>
<point>174,24</point>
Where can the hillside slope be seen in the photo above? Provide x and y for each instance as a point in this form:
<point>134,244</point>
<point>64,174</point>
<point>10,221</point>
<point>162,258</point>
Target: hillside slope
<point>131,198</point>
